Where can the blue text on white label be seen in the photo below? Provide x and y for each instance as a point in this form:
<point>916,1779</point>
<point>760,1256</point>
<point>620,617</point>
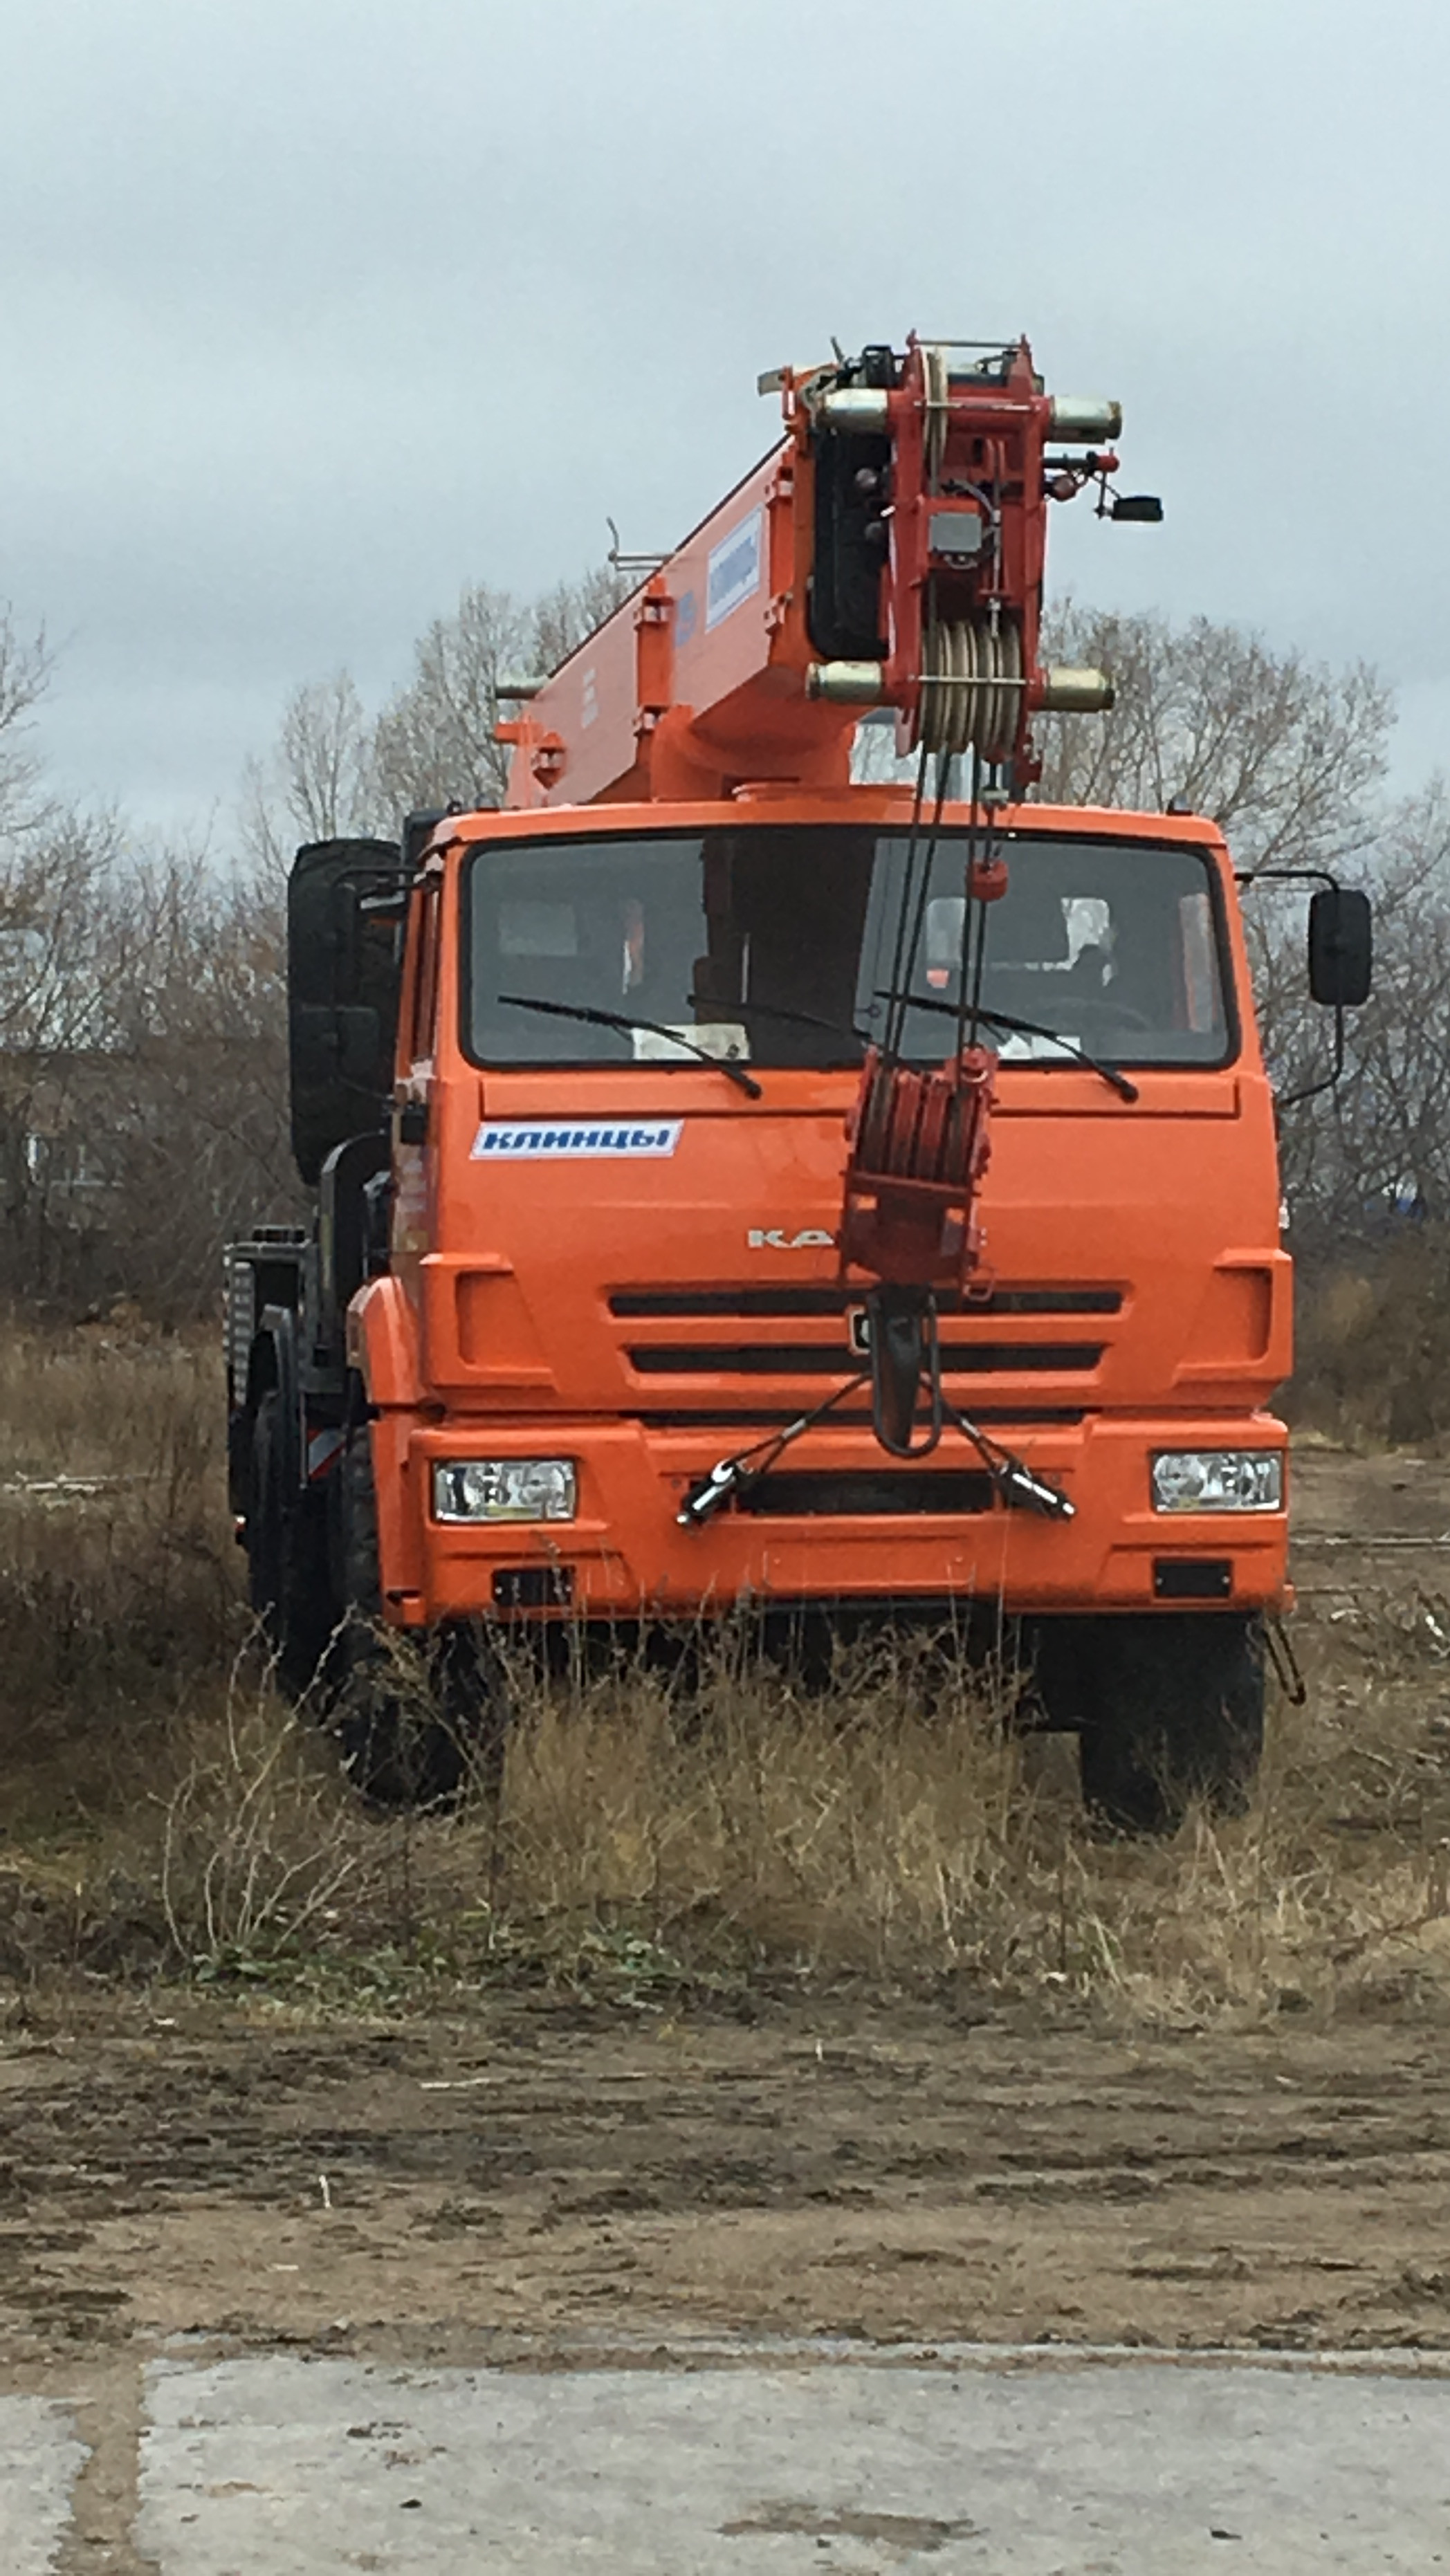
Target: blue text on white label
<point>559,1140</point>
<point>733,572</point>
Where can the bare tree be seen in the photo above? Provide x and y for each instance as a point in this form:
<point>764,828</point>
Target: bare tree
<point>54,863</point>
<point>1283,753</point>
<point>198,1146</point>
<point>143,1084</point>
<point>143,1078</point>
<point>143,1062</point>
<point>142,1030</point>
<point>434,744</point>
<point>25,668</point>
<point>334,769</point>
<point>572,610</point>
<point>1373,1152</point>
<point>434,741</point>
<point>318,782</point>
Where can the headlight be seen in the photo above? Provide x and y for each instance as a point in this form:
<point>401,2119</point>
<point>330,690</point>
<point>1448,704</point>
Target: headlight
<point>1218,1480</point>
<point>505,1489</point>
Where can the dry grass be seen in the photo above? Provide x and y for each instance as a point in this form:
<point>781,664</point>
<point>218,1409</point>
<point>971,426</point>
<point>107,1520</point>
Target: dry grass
<point>1372,1342</point>
<point>118,1580</point>
<point>166,1817</point>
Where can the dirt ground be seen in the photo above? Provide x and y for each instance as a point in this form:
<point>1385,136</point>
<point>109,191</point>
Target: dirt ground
<point>447,2190</point>
<point>1378,1519</point>
<point>433,2194</point>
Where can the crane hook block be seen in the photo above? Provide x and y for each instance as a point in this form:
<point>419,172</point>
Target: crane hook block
<point>918,1149</point>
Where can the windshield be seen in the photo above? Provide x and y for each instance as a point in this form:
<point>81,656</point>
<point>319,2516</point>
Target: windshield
<point>768,944</point>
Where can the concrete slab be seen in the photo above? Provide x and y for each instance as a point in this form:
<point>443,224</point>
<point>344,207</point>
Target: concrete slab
<point>988,2467</point>
<point>40,2460</point>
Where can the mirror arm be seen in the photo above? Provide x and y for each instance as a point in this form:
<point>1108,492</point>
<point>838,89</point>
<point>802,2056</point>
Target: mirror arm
<point>1299,876</point>
<point>1311,1090</point>
<point>1328,1081</point>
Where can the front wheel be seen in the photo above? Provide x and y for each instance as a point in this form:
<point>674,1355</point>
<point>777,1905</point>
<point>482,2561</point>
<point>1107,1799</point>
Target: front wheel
<point>419,1720</point>
<point>287,1563</point>
<point>1172,1710</point>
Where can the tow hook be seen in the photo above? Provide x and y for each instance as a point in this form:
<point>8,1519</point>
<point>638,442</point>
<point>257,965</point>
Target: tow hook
<point>701,1504</point>
<point>1023,1492</point>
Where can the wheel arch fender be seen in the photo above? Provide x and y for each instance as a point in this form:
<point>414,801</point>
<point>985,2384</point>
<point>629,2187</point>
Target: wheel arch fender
<point>382,1344</point>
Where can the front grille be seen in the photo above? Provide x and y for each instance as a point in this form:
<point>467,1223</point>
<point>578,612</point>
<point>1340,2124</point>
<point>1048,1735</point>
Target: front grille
<point>804,1495</point>
<point>827,1359</point>
<point>767,1303</point>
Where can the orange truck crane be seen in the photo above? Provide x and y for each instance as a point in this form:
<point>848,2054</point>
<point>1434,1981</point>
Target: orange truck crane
<point>738,1185</point>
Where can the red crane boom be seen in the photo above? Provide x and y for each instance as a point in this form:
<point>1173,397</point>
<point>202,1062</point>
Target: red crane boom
<point>887,553</point>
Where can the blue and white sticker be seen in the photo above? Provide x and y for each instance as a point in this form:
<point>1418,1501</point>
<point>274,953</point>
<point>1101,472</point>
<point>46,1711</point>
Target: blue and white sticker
<point>557,1140</point>
<point>733,572</point>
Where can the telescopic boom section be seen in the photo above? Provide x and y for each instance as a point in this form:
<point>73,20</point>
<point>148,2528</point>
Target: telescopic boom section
<point>888,553</point>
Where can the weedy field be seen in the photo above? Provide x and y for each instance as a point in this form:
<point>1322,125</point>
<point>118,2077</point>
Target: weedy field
<point>741,2008</point>
<point>166,1817</point>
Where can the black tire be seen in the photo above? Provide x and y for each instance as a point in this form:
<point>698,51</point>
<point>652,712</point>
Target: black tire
<point>287,1556</point>
<point>418,1721</point>
<point>1172,1710</point>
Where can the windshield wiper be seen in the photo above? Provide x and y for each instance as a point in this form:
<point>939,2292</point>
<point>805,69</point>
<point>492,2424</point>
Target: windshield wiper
<point>1126,1089</point>
<point>797,1019</point>
<point>1110,1073</point>
<point>725,1064</point>
<point>1119,1081</point>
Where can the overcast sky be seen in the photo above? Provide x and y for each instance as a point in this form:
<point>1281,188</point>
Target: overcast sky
<point>313,310</point>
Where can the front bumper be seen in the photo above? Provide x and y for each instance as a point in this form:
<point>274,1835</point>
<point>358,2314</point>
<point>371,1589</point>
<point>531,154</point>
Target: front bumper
<point>624,1555</point>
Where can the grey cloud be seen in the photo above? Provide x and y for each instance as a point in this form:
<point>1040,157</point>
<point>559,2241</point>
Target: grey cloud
<point>310,313</point>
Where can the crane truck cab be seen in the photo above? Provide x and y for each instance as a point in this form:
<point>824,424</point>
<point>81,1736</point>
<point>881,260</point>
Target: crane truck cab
<point>736,1186</point>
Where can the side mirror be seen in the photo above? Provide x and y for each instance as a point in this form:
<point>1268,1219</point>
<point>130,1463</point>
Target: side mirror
<point>1341,946</point>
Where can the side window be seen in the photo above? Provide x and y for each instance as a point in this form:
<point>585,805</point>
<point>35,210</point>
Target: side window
<point>423,1033</point>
